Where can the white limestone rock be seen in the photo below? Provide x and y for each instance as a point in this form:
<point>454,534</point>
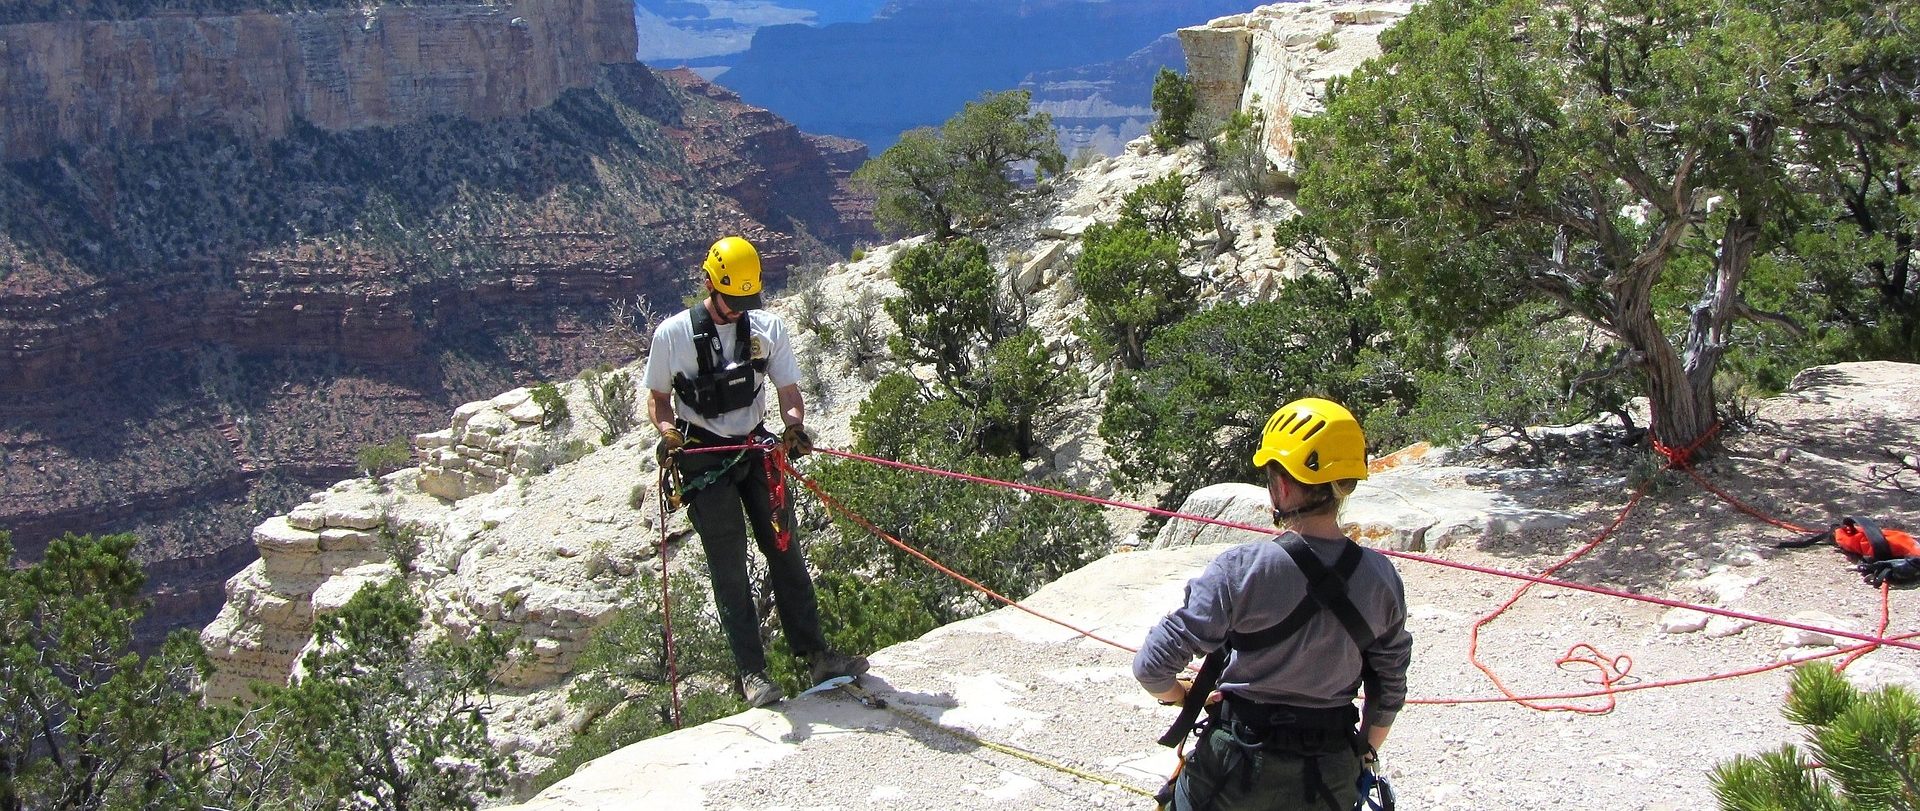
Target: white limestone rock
<point>307,516</point>
<point>1803,638</point>
<point>1065,227</point>
<point>279,539</point>
<point>1431,508</point>
<point>527,413</point>
<point>1721,627</point>
<point>355,513</point>
<point>339,539</point>
<point>466,412</point>
<point>1233,502</point>
<point>1034,273</point>
<point>507,401</point>
<point>333,594</point>
<point>1683,621</point>
<point>1726,587</point>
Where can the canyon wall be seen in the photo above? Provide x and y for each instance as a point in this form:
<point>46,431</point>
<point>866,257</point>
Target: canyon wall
<point>236,250</point>
<point>105,82</point>
<point>1275,61</point>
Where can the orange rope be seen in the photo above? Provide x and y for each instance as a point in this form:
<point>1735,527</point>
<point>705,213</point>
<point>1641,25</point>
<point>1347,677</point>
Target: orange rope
<point>1613,670</point>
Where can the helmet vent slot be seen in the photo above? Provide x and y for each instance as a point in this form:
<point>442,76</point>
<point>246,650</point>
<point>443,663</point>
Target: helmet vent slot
<point>1316,429</point>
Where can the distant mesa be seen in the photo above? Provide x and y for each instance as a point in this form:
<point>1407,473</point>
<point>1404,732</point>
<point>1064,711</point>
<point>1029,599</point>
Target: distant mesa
<point>24,11</point>
<point>918,63</point>
<point>673,31</point>
<point>1098,108</point>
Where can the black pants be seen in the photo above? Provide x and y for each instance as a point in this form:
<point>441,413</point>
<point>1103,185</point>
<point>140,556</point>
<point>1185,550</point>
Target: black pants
<point>721,512</point>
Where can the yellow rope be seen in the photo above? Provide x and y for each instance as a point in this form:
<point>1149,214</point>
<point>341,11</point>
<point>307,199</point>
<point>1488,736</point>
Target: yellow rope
<point>871,700</point>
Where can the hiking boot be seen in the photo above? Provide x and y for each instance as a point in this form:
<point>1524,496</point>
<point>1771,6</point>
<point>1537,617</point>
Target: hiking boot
<point>826,664</point>
<point>758,690</point>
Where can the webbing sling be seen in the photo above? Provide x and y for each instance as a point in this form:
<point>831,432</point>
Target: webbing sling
<point>1326,590</point>
<point>706,339</point>
<point>1881,549</point>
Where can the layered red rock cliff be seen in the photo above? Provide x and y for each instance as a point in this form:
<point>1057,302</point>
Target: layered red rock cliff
<point>103,82</point>
<point>234,250</point>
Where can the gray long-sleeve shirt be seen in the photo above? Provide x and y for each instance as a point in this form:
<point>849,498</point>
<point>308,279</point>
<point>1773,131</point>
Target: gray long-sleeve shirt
<point>1254,586</point>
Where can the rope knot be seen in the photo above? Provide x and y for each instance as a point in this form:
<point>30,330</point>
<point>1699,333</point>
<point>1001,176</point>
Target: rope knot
<point>1682,458</point>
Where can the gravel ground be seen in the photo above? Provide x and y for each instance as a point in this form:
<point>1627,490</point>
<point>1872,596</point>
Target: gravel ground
<point>1011,679</point>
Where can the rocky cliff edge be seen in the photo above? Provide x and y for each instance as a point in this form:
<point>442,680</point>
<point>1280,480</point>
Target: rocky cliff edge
<point>1011,679</point>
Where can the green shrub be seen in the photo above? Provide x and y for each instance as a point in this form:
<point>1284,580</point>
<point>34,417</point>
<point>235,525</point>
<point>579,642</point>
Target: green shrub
<point>1242,155</point>
<point>1133,285</point>
<point>379,460</point>
<point>400,544</point>
<point>615,403</point>
<point>553,406</point>
<point>1174,103</point>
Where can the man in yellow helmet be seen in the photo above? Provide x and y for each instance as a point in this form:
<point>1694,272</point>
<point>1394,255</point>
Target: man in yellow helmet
<point>1291,625</point>
<point>706,375</point>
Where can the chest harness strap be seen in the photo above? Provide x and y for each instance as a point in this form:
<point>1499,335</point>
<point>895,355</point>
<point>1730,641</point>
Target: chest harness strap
<point>720,385</point>
<point>1326,591</point>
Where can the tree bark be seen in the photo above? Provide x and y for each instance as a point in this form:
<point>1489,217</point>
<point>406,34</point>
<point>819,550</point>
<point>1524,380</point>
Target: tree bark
<point>1682,412</point>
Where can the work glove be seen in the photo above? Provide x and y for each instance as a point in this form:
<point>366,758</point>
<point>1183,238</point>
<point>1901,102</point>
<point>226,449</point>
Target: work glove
<point>1903,570</point>
<point>671,440</point>
<point>797,442</point>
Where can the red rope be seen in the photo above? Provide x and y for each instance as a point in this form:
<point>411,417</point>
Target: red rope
<point>1682,459</point>
<point>1886,614</point>
<point>1412,556</point>
<point>1747,508</point>
<point>1652,685</point>
<point>775,460</point>
<point>836,506</point>
<point>666,610</point>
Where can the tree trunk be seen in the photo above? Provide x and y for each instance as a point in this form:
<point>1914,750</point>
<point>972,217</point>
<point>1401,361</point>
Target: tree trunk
<point>1682,404</point>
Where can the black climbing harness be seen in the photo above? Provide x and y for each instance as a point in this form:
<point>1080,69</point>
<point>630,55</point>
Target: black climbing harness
<point>1304,732</point>
<point>720,385</point>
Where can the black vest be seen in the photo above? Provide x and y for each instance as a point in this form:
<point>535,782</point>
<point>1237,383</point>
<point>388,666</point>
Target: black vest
<point>721,385</point>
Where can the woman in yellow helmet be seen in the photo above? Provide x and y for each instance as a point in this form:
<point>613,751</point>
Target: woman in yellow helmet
<point>1291,625</point>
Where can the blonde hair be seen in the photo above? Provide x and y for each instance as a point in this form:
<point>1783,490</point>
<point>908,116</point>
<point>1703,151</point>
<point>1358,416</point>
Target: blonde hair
<point>1334,493</point>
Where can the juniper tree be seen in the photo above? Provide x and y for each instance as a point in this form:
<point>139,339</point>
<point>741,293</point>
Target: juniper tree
<point>1190,416</point>
<point>85,722</point>
<point>625,680</point>
<point>1174,104</point>
<point>1608,156</point>
<point>1132,282</point>
<point>377,721</point>
<point>955,315</point>
<point>933,179</point>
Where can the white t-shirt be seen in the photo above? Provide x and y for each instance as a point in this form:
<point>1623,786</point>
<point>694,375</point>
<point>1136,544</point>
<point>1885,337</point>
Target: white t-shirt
<point>673,353</point>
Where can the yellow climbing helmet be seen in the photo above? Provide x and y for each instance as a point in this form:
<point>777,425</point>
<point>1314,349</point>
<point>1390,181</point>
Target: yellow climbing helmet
<point>733,266</point>
<point>1318,441</point>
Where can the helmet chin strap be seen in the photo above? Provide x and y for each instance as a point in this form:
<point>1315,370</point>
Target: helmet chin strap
<point>1281,516</point>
